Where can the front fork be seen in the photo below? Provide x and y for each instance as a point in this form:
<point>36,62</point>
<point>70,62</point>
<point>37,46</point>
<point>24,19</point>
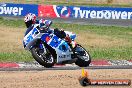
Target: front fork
<point>42,48</point>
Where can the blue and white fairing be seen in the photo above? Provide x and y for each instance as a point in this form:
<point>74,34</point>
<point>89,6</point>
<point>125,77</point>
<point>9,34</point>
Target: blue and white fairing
<point>61,47</point>
<point>30,39</point>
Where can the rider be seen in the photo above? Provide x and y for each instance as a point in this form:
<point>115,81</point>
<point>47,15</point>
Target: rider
<point>30,20</point>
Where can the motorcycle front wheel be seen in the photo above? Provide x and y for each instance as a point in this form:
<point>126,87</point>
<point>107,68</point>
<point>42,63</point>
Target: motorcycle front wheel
<point>45,59</point>
<point>83,56</point>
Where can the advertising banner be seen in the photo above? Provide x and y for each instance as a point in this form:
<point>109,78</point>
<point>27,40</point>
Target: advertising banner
<point>84,12</point>
<point>54,11</point>
<point>8,9</point>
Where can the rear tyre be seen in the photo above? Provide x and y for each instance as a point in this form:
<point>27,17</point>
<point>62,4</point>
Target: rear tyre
<point>45,59</point>
<point>83,57</point>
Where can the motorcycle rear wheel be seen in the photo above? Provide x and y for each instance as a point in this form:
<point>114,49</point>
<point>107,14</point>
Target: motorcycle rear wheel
<point>83,56</point>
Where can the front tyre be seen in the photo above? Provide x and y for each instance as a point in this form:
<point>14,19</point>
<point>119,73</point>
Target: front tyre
<point>83,57</point>
<point>44,59</point>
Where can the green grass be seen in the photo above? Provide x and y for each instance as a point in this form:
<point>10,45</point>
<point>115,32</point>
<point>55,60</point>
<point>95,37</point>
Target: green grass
<point>112,53</point>
<point>12,22</point>
<point>16,57</point>
<point>103,42</point>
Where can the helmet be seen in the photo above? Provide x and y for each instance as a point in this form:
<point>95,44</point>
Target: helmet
<point>44,24</point>
<point>30,19</point>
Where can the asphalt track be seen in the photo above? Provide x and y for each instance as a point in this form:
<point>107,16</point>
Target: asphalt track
<point>66,68</point>
<point>81,21</point>
<point>102,22</point>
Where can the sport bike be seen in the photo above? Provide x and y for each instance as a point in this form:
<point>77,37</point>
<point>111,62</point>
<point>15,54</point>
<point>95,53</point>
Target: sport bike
<point>48,49</point>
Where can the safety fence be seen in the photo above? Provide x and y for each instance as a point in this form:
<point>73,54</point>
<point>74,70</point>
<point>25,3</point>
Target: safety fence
<point>55,11</point>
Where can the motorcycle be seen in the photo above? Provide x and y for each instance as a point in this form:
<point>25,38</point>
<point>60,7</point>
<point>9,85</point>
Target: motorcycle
<point>48,49</point>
